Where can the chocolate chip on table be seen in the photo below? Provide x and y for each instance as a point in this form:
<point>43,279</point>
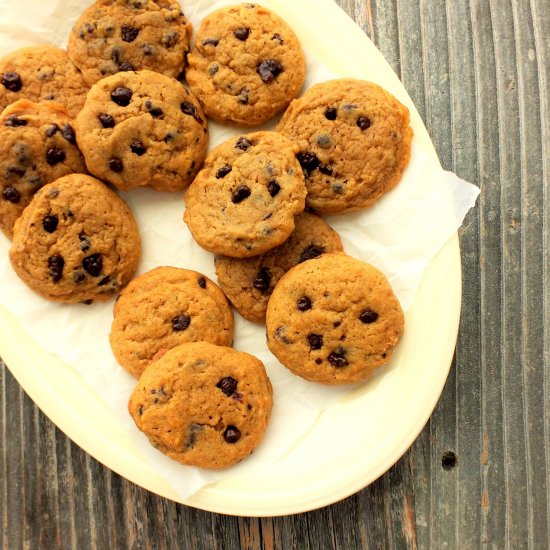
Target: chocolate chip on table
<point>363,122</point>
<point>223,171</point>
<point>191,110</point>
<point>115,164</point>
<point>78,277</point>
<point>303,303</point>
<point>228,385</point>
<point>85,243</point>
<point>11,194</point>
<point>232,434</point>
<point>240,194</point>
<point>368,316</point>
<point>310,252</point>
<point>15,121</point>
<point>128,33</point>
<point>68,133</point>
<point>269,70</point>
<point>202,282</point>
<point>12,81</point>
<point>243,144</point>
<point>55,156</point>
<point>170,39</point>
<point>125,66</point>
<point>49,223</point>
<point>331,113</point>
<point>210,42</point>
<point>52,130</point>
<point>315,341</point>
<point>93,264</point>
<point>138,148</point>
<point>181,323</point>
<point>107,121</point>
<point>325,169</point>
<point>337,359</point>
<point>242,33</point>
<point>308,161</point>
<point>262,281</point>
<point>273,187</point>
<point>55,266</point>
<point>122,96</point>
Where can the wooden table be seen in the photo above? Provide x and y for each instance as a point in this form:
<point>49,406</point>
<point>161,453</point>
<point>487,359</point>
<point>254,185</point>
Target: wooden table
<point>478,476</point>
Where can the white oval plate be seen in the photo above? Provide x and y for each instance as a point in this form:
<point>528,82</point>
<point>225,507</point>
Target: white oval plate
<point>344,452</point>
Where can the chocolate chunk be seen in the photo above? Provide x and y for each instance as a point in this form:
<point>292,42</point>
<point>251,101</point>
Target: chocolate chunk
<point>55,156</point>
<point>12,81</point>
<point>122,96</point>
<point>269,70</point>
<point>363,122</point>
<point>125,66</point>
<point>315,341</point>
<point>181,323</point>
<point>191,110</point>
<point>107,121</point>
<point>308,161</point>
<point>331,113</point>
<point>240,194</point>
<point>223,171</point>
<point>210,42</point>
<point>68,133</point>
<point>324,141</point>
<point>202,282</point>
<point>115,164</point>
<point>243,144</point>
<point>368,316</point>
<point>128,33</point>
<point>49,223</point>
<point>304,303</point>
<point>11,194</point>
<point>337,358</point>
<point>15,121</point>
<point>310,252</point>
<point>273,187</point>
<point>325,169</point>
<point>85,243</point>
<point>52,130</point>
<point>228,385</point>
<point>78,277</point>
<point>170,39</point>
<point>232,434</point>
<point>242,33</point>
<point>93,264</point>
<point>138,148</point>
<point>55,266</point>
<point>262,281</point>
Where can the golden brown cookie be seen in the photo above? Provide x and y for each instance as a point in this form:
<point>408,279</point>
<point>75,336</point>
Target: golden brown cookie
<point>142,129</point>
<point>243,202</point>
<point>129,35</point>
<point>354,140</point>
<point>42,73</point>
<point>246,65</point>
<point>77,241</point>
<point>249,282</point>
<point>164,308</point>
<point>37,146</point>
<point>203,405</point>
<point>333,320</point>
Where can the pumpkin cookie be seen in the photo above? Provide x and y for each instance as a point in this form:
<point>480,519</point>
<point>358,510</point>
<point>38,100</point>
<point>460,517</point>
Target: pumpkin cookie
<point>203,405</point>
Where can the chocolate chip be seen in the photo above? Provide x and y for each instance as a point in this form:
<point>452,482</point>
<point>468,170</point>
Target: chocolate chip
<point>122,96</point>
<point>242,33</point>
<point>104,281</point>
<point>191,110</point>
<point>202,282</point>
<point>349,107</point>
<point>210,42</point>
<point>170,136</point>
<point>181,323</point>
<point>68,133</point>
<point>363,122</point>
<point>269,70</point>
<point>315,341</point>
<point>318,361</point>
<point>324,141</point>
<point>243,144</point>
<point>52,130</point>
<point>337,359</point>
<point>308,161</point>
<point>213,69</point>
<point>15,171</point>
<point>12,81</point>
<point>278,37</point>
<point>232,434</point>
<point>78,277</point>
<point>138,148</point>
<point>338,187</point>
<point>36,180</point>
<point>128,33</point>
<point>192,432</point>
<point>15,121</point>
<point>169,40</point>
<point>85,243</point>
<point>148,49</point>
<point>11,194</point>
<point>87,28</point>
<point>55,265</point>
<point>49,223</point>
<point>336,324</point>
<point>115,164</point>
<point>262,281</point>
<point>228,385</point>
<point>304,303</point>
<point>368,316</point>
<point>93,264</point>
<point>107,121</point>
<point>55,156</point>
<point>273,187</point>
<point>325,169</point>
<point>310,252</point>
<point>240,194</point>
<point>223,171</point>
<point>243,97</point>
<point>330,113</point>
<point>156,112</point>
<point>125,67</point>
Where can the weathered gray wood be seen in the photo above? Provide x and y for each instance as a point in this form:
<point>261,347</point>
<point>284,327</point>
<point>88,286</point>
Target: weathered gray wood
<point>478,71</point>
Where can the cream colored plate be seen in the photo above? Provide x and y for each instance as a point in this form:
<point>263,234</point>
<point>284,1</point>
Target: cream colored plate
<point>355,441</point>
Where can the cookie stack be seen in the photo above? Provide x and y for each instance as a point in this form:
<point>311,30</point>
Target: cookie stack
<point>127,106</point>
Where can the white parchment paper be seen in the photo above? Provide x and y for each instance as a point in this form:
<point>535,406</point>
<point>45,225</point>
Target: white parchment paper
<point>399,235</point>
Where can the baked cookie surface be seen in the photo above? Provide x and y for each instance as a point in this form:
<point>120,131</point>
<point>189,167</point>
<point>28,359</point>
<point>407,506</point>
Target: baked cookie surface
<point>37,146</point>
<point>203,405</point>
<point>77,241</point>
<point>142,129</point>
<point>164,308</point>
<point>249,282</point>
<point>129,35</point>
<point>246,65</point>
<point>243,202</point>
<point>333,320</point>
<point>354,140</point>
<point>42,73</point>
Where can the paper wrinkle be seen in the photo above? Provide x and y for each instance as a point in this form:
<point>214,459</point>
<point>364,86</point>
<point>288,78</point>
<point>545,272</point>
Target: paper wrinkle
<point>399,235</point>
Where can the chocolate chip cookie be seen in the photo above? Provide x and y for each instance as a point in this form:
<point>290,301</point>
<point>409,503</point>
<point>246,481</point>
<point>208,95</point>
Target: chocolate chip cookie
<point>333,320</point>
<point>37,146</point>
<point>164,308</point>
<point>77,241</point>
<point>203,405</point>
<point>129,35</point>
<point>243,202</point>
<point>354,140</point>
<point>249,282</point>
<point>246,65</point>
<point>142,129</point>
<point>42,73</point>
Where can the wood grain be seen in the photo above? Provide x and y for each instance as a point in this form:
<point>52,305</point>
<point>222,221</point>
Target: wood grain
<point>478,72</point>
